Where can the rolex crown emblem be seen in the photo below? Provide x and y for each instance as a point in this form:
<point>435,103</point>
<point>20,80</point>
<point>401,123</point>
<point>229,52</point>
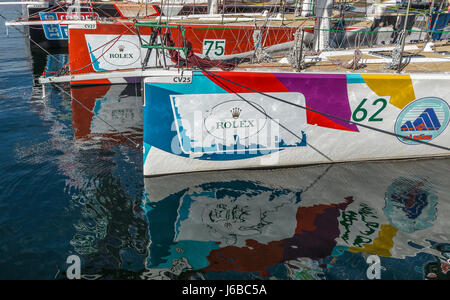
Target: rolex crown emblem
<point>228,226</point>
<point>236,112</point>
<point>121,48</point>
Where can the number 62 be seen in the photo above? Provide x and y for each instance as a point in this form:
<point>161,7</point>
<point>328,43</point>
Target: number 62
<point>360,109</point>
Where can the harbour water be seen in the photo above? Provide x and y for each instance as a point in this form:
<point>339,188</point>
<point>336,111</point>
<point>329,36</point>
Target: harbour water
<point>71,184</point>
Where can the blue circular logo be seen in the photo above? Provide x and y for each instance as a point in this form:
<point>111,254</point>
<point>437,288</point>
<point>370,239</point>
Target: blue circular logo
<point>411,204</point>
<point>423,119</point>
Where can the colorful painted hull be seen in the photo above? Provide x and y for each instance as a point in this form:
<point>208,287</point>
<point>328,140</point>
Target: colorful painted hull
<point>106,47</point>
<point>199,122</point>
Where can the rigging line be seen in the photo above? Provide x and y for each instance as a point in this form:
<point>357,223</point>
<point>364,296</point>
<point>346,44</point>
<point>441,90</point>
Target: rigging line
<point>93,62</point>
<point>115,19</point>
<point>284,127</point>
<point>91,52</point>
<point>329,115</point>
<point>318,178</point>
<point>46,10</point>
<point>97,116</point>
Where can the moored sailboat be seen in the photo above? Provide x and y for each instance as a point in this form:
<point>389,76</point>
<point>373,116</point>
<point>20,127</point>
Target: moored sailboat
<point>388,102</point>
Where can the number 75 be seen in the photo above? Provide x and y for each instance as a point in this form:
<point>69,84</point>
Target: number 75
<point>216,46</point>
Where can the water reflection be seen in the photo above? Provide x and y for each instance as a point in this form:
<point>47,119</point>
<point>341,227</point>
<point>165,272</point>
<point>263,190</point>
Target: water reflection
<point>111,235</point>
<point>318,222</point>
<point>107,112</point>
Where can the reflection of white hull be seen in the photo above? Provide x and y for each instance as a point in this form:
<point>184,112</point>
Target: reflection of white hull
<point>233,220</point>
<point>117,111</point>
<point>123,114</point>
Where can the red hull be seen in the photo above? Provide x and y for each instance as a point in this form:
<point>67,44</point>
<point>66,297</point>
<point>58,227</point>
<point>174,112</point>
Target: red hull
<point>98,49</point>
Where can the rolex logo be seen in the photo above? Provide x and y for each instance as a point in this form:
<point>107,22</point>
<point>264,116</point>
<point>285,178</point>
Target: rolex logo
<point>121,48</point>
<point>236,112</point>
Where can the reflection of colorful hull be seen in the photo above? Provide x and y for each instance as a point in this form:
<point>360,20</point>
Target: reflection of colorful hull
<point>198,123</point>
<point>312,219</point>
<point>118,105</point>
<point>115,46</point>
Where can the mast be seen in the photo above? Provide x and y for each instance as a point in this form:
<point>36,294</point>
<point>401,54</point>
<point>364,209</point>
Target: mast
<point>404,37</point>
<point>428,47</point>
<point>213,7</point>
<point>74,11</point>
<point>298,10</point>
<point>307,8</point>
<point>323,12</point>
